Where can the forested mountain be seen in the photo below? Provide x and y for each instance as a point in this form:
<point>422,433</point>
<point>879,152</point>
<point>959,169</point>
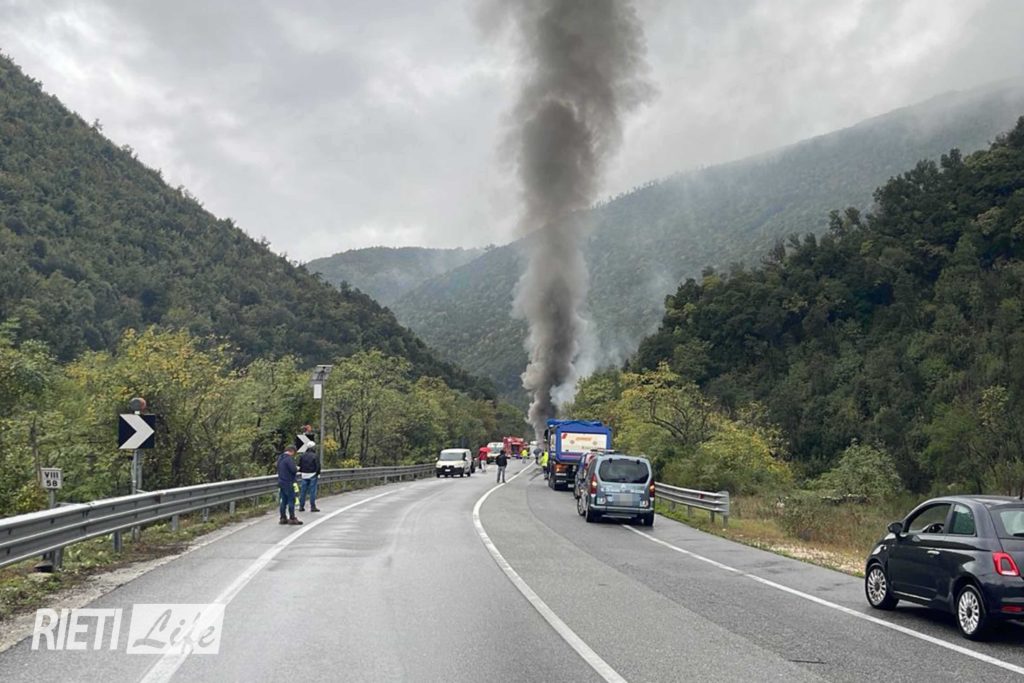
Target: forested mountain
<point>387,273</point>
<point>646,242</point>
<point>904,329</point>
<point>93,242</point>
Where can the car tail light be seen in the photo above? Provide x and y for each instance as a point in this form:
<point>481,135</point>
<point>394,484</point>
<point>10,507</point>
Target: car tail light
<point>650,489</point>
<point>1005,566</point>
<point>593,484</point>
<point>1013,609</point>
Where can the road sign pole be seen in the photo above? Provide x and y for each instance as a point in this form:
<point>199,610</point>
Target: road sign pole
<point>136,486</point>
<point>322,451</point>
<point>56,557</point>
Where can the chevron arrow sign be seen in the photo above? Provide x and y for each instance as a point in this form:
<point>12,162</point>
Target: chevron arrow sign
<point>135,431</point>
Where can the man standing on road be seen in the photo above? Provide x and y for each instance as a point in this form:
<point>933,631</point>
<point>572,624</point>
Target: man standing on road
<point>483,459</point>
<point>502,462</point>
<point>286,475</point>
<point>309,470</point>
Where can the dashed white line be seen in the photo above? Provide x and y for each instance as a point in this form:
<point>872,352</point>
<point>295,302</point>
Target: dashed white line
<point>602,667</point>
<point>845,610</point>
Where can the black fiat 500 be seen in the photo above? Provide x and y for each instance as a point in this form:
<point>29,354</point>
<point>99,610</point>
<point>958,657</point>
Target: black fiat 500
<point>960,554</point>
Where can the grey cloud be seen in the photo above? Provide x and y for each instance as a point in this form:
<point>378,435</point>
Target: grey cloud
<point>326,125</point>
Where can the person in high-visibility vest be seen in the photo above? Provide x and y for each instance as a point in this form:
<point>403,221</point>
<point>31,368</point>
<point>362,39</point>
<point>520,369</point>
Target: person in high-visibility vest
<point>544,463</point>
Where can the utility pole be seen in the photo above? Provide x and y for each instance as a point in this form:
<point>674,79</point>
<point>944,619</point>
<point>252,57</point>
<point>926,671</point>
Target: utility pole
<point>318,381</point>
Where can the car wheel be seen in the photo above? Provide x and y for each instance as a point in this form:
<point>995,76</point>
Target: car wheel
<point>971,617</point>
<point>877,588</point>
<point>438,475</point>
<point>461,474</point>
<point>648,519</point>
<point>579,506</point>
<point>591,516</point>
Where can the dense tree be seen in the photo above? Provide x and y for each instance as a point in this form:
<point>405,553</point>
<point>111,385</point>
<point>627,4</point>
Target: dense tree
<point>904,328</point>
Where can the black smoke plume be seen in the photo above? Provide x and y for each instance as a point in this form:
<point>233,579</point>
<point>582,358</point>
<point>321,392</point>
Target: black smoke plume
<point>583,62</point>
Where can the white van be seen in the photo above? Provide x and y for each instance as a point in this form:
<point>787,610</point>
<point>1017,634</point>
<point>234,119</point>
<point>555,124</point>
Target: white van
<point>454,460</point>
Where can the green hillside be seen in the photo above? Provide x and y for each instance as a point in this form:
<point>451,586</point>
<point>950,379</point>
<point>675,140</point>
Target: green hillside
<point>644,243</point>
<point>94,242</point>
<point>387,273</point>
<point>904,329</point>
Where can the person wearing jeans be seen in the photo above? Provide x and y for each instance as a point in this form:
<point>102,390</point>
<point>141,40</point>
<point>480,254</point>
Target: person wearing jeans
<point>309,470</point>
<point>502,462</point>
<point>286,475</point>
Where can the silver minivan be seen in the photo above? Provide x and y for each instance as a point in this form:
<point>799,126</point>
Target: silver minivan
<point>618,485</point>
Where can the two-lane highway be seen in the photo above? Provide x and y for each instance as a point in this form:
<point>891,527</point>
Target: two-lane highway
<point>396,583</point>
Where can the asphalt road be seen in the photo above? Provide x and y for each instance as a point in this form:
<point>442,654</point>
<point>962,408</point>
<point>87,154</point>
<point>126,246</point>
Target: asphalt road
<point>396,583</point>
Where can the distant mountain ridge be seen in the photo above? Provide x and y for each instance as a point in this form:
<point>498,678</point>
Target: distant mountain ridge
<point>643,244</point>
<point>387,273</point>
<point>93,242</point>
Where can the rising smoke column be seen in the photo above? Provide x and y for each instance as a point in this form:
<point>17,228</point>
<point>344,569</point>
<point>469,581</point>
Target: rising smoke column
<point>583,62</point>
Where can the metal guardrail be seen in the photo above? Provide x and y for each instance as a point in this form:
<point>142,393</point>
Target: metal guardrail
<point>717,503</point>
<point>30,535</point>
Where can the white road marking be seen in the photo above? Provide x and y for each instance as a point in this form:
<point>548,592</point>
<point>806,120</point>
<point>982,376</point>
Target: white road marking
<point>165,668</point>
<point>561,628</point>
<point>845,610</point>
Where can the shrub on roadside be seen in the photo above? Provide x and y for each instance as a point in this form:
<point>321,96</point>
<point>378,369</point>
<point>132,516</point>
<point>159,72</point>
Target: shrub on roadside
<point>733,459</point>
<point>863,471</point>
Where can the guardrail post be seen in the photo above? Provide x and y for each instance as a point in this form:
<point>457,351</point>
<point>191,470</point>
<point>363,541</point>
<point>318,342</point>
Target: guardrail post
<point>689,511</point>
<point>175,522</point>
<point>231,508</point>
<point>725,503</point>
<point>206,514</point>
<point>118,542</point>
<point>712,516</point>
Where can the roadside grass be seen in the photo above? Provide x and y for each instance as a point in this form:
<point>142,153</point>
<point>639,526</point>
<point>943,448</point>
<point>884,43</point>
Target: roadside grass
<point>22,589</point>
<point>803,526</point>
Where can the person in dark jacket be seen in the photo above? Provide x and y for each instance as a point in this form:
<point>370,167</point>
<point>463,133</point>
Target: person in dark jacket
<point>502,462</point>
<point>309,470</point>
<point>287,473</point>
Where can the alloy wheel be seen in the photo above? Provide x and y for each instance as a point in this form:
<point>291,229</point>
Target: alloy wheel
<point>968,611</point>
<point>877,585</point>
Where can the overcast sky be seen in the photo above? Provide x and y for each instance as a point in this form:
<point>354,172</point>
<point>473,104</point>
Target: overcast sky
<point>336,124</point>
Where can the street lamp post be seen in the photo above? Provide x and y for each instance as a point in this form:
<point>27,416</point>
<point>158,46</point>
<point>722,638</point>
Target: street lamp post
<point>318,381</point>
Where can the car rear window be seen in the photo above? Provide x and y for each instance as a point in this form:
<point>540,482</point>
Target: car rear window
<point>1009,521</point>
<point>451,455</point>
<point>963,521</point>
<point>624,471</point>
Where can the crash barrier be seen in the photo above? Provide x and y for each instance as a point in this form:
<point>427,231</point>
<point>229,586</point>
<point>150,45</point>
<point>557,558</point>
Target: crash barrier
<point>717,503</point>
<point>49,531</point>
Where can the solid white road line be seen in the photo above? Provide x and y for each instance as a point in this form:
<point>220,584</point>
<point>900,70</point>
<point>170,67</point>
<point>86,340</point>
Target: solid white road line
<point>840,608</point>
<point>568,635</point>
<point>168,664</point>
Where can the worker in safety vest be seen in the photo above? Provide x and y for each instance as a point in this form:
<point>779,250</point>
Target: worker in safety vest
<point>544,463</point>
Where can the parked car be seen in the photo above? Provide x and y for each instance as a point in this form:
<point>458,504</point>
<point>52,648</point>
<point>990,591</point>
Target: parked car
<point>958,554</point>
<point>454,461</point>
<point>580,483</point>
<point>618,485</point>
